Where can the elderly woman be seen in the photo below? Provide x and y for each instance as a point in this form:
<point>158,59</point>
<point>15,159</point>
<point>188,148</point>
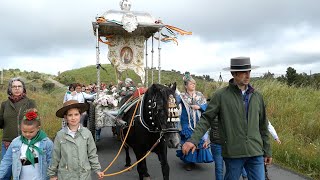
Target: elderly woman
<point>11,113</point>
<point>193,103</point>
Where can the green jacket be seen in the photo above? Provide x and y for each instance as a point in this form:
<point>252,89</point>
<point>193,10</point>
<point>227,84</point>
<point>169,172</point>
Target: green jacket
<point>74,158</point>
<point>11,115</point>
<point>240,137</point>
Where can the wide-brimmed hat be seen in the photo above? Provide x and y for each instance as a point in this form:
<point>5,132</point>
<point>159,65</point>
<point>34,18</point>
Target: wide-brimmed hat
<point>69,105</point>
<point>240,64</point>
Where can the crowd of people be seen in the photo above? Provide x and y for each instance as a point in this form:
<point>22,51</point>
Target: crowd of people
<point>231,129</point>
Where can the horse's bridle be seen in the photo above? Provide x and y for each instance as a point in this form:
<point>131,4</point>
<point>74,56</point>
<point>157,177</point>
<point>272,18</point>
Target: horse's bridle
<point>153,110</point>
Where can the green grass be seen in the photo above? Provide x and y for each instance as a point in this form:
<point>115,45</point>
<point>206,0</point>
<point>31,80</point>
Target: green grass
<point>294,112</point>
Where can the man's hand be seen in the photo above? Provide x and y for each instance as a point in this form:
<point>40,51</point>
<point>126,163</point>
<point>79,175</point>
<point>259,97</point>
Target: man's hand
<point>187,146</point>
<point>278,141</point>
<point>54,178</point>
<point>267,160</point>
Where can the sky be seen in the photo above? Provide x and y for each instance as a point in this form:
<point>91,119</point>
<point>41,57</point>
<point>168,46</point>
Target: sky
<point>51,36</point>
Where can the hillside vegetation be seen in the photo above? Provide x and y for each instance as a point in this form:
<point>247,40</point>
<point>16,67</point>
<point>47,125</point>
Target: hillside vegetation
<point>293,111</point>
<point>88,75</point>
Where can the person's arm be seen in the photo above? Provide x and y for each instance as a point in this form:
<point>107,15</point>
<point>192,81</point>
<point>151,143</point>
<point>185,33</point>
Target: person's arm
<point>204,124</point>
<point>1,115</point>
<point>55,159</point>
<point>6,162</point>
<point>88,96</point>
<point>263,125</point>
<point>203,107</point>
<point>92,155</point>
<point>49,148</point>
<point>178,99</point>
<point>273,132</point>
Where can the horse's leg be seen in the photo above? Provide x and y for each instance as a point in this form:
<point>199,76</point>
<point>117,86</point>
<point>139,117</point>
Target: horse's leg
<point>142,166</point>
<point>128,159</point>
<point>162,155</point>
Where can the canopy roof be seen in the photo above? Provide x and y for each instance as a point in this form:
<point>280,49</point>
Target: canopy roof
<point>114,23</point>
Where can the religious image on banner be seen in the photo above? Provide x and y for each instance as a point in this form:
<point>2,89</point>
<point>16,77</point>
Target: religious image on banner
<point>127,53</point>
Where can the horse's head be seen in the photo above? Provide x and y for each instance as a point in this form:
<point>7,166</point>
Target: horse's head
<point>161,113</point>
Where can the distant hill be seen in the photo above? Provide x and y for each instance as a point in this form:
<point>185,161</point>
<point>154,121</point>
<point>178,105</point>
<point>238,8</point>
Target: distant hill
<point>33,79</point>
<point>88,74</point>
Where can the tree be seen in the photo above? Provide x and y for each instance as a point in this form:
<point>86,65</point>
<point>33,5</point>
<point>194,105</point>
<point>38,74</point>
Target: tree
<point>268,75</point>
<point>291,76</point>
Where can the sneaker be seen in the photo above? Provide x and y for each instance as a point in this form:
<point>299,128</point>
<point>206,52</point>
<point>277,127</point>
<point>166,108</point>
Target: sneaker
<point>244,177</point>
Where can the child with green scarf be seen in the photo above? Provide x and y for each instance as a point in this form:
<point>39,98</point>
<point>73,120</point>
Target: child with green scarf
<point>30,153</point>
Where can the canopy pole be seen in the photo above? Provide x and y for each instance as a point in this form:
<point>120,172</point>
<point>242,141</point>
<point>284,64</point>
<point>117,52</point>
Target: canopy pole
<point>98,59</point>
<point>146,70</point>
<point>152,53</point>
<point>159,57</point>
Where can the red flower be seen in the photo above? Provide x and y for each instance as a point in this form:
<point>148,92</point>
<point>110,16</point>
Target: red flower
<point>31,115</point>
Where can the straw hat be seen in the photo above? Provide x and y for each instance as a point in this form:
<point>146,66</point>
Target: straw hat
<point>69,105</point>
<point>240,64</point>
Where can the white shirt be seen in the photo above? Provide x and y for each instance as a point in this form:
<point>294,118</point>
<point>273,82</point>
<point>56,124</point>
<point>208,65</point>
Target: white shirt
<point>81,96</point>
<point>71,133</point>
<point>272,131</point>
<point>24,150</point>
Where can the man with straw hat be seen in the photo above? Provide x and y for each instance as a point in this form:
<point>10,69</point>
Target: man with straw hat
<point>242,122</point>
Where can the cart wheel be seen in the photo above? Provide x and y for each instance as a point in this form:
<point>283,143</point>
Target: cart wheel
<point>91,120</point>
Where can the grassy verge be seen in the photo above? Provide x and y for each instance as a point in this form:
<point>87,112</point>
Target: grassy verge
<point>294,112</point>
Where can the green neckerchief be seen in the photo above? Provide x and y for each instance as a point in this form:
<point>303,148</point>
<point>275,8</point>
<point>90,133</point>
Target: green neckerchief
<point>40,135</point>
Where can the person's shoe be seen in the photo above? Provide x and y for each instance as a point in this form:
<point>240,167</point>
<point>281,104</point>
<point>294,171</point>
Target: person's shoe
<point>189,166</point>
<point>244,177</point>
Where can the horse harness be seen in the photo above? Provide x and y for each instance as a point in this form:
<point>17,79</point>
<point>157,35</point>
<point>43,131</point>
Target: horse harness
<point>154,107</point>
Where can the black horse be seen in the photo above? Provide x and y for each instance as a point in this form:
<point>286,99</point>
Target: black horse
<point>152,122</point>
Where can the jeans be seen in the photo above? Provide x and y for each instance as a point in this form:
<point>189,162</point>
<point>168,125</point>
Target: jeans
<point>244,172</point>
<point>253,165</point>
<point>218,160</point>
<point>3,152</point>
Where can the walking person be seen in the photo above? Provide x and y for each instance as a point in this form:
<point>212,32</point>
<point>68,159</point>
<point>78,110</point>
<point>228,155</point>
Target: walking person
<point>82,97</point>
<point>242,123</point>
<point>75,153</point>
<point>30,153</point>
<point>193,103</point>
<point>11,114</point>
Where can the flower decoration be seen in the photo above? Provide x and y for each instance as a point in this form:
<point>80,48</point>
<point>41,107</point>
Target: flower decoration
<point>107,100</point>
<point>31,115</point>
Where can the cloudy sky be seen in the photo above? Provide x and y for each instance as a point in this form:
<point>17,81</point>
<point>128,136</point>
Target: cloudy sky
<point>56,35</point>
